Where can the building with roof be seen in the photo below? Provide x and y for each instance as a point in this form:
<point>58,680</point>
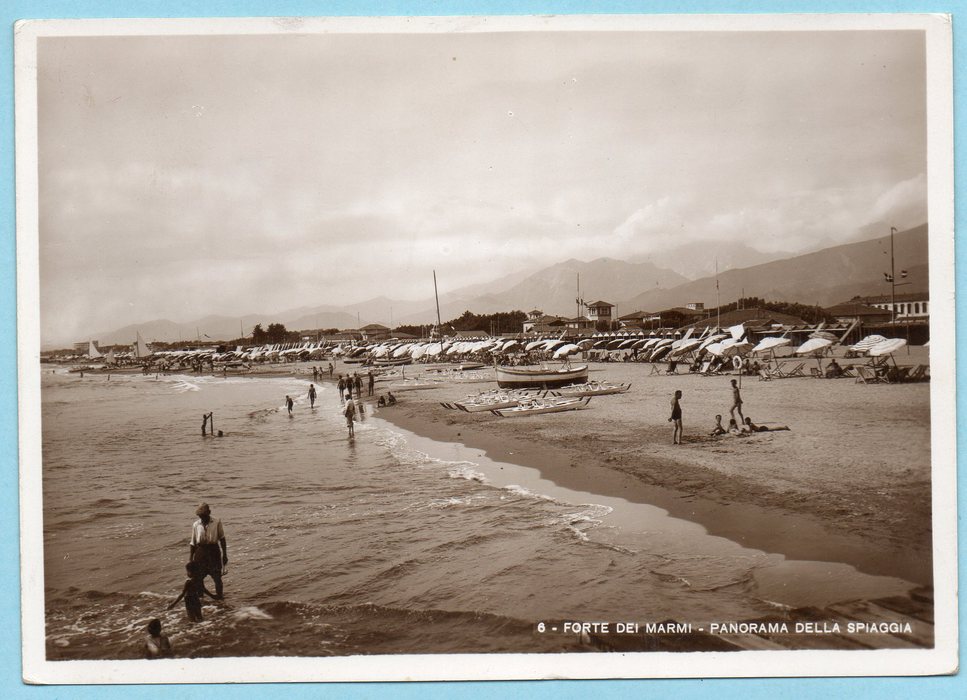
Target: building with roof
<point>544,324</point>
<point>908,306</point>
<point>638,319</point>
<point>374,331</point>
<point>600,311</point>
<point>854,311</point>
<point>470,335</point>
<point>754,318</point>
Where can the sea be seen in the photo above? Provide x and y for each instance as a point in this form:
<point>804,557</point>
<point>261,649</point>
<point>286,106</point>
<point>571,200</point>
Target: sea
<point>386,543</point>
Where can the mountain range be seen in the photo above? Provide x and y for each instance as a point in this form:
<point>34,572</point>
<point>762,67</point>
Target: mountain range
<point>823,277</point>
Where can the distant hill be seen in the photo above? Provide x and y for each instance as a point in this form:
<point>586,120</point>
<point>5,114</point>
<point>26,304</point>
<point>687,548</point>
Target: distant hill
<point>553,289</point>
<point>824,277</point>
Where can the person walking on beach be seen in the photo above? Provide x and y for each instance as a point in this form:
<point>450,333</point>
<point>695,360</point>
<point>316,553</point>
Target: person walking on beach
<point>331,369</point>
<point>676,418</point>
<point>736,402</point>
<point>207,536</point>
<point>341,386</point>
<point>288,404</point>
<point>350,413</point>
<point>372,382</point>
<point>312,396</point>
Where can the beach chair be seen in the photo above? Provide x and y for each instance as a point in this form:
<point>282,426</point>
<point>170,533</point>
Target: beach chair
<point>655,369</point>
<point>764,375</point>
<point>797,371</point>
<point>917,374</point>
<point>815,373</point>
<point>849,371</point>
<point>865,375</point>
<point>705,366</point>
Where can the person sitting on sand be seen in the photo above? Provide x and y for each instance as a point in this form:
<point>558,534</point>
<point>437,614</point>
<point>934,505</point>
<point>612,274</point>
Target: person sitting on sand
<point>390,399</point>
<point>718,429</point>
<point>753,428</point>
<point>381,401</point>
<point>833,370</point>
<point>734,427</point>
<point>676,418</point>
<point>192,592</point>
<point>156,645</point>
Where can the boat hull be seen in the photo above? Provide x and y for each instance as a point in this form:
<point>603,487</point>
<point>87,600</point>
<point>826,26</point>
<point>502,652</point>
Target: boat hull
<point>569,405</point>
<point>516,378</point>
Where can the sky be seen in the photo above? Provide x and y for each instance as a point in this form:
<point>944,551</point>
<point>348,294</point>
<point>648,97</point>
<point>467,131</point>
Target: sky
<point>195,175</point>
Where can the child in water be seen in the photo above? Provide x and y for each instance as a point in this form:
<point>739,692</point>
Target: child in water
<point>192,592</point>
<point>156,645</point>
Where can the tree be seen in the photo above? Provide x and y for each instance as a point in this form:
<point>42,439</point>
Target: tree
<point>277,333</point>
<point>259,336</point>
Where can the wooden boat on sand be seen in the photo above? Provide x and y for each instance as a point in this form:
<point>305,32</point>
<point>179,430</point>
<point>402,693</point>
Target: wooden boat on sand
<point>591,389</point>
<point>535,406</point>
<point>543,378</point>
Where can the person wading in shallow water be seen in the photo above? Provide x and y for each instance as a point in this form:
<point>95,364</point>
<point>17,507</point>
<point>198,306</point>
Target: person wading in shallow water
<point>676,418</point>
<point>312,396</point>
<point>350,413</point>
<point>207,536</point>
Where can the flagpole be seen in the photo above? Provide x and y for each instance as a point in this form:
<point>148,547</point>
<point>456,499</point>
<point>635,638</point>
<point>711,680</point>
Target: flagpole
<point>892,283</point>
<point>718,298</point>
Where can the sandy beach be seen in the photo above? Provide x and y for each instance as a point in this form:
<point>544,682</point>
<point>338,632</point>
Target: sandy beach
<point>849,482</point>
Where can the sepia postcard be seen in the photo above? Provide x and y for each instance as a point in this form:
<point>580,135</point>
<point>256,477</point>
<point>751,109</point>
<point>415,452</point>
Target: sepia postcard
<point>365,349</point>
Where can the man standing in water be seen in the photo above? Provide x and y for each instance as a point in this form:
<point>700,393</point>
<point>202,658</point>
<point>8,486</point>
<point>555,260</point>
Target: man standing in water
<point>736,402</point>
<point>288,404</point>
<point>350,413</point>
<point>312,396</point>
<point>206,537</point>
<point>341,385</point>
<point>372,382</point>
<point>676,418</point>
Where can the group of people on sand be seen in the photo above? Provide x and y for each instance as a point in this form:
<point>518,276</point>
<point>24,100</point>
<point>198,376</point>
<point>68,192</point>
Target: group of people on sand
<point>207,556</point>
<point>742,426</point>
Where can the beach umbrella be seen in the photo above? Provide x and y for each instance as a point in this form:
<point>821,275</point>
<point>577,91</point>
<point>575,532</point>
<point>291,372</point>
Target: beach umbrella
<point>600,345</point>
<point>565,350</point>
<point>715,349</point>
<point>533,344</point>
<point>660,352</point>
<point>418,352</point>
<point>771,343</point>
<point>714,338</point>
<point>686,346</point>
<point>887,347</point>
<point>586,344</point>
<point>867,343</point>
<point>552,345</point>
<point>814,345</point>
<point>627,343</point>
<point>824,334</point>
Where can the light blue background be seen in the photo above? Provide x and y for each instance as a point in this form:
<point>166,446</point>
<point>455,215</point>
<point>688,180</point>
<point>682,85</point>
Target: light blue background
<point>10,684</point>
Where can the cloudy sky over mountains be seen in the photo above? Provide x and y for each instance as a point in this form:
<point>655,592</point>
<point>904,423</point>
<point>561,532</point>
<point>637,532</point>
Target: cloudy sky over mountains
<point>182,176</point>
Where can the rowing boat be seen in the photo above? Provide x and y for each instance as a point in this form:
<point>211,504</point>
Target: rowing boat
<point>591,389</point>
<point>544,378</point>
<point>536,406</point>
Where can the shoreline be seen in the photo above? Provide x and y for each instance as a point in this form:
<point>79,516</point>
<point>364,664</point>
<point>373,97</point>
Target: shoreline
<point>758,491</point>
<point>777,492</point>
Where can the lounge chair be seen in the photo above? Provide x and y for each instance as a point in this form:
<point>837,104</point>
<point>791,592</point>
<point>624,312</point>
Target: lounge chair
<point>865,375</point>
<point>815,373</point>
<point>764,375</point>
<point>705,366</point>
<point>918,374</point>
<point>655,369</point>
<point>797,371</point>
<point>848,371</point>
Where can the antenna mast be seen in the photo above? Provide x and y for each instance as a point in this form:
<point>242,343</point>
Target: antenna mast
<point>436,296</point>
